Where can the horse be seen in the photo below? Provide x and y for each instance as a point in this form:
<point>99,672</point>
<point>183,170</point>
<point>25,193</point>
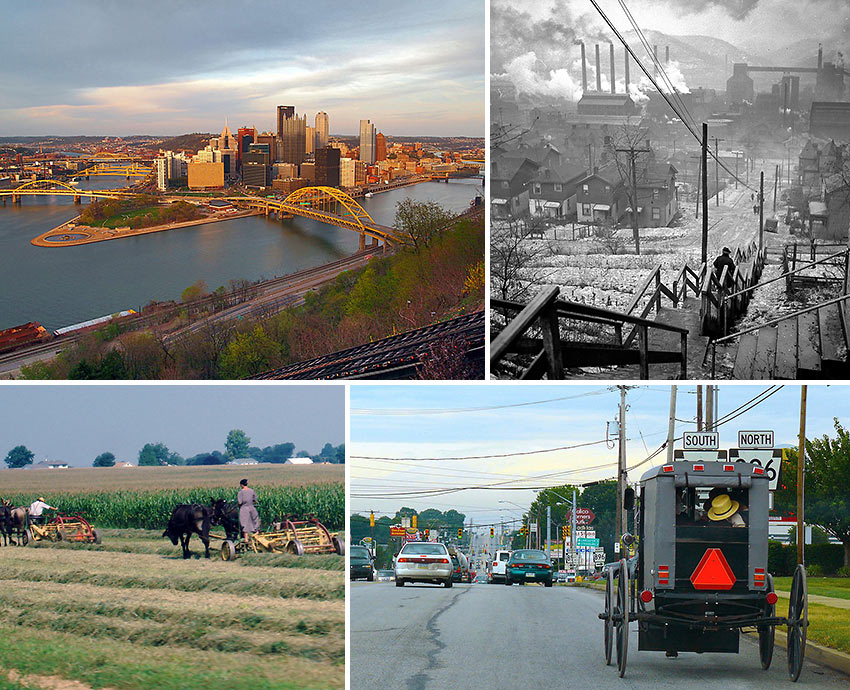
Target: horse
<point>6,523</point>
<point>187,520</point>
<point>227,515</point>
<point>19,523</point>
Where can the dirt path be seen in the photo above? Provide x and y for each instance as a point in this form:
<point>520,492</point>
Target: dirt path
<point>47,682</point>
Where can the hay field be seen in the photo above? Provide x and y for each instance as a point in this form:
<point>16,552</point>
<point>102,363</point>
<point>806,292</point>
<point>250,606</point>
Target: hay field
<point>131,613</point>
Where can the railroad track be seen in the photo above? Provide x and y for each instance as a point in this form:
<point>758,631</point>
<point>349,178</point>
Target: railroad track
<point>395,357</point>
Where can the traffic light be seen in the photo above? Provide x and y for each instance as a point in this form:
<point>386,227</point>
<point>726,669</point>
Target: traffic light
<point>371,519</point>
<point>492,532</point>
<point>460,532</point>
<point>413,521</point>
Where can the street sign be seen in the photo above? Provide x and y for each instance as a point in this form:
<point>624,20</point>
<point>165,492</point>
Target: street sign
<point>397,531</point>
<point>616,547</point>
<point>587,541</point>
<point>699,455</point>
<point>755,440</point>
<point>700,440</point>
<point>599,557</point>
<point>584,516</point>
<point>586,533</point>
<point>769,458</point>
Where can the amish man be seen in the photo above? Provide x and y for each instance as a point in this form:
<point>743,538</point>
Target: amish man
<point>37,510</point>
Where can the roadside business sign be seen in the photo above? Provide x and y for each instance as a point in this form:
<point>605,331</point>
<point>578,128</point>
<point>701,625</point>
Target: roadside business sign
<point>751,440</point>
<point>397,531</point>
<point>701,440</point>
<point>769,458</point>
<point>584,516</point>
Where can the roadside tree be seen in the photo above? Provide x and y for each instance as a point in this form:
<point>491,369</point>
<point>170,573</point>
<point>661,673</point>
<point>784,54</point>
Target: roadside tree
<point>237,444</point>
<point>19,456</point>
<point>106,459</point>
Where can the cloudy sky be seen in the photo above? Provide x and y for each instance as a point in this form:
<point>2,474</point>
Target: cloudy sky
<point>383,427</point>
<point>175,66</point>
<point>75,423</point>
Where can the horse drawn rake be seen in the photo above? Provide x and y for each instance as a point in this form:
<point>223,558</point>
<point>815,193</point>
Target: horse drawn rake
<point>291,535</point>
<point>70,528</point>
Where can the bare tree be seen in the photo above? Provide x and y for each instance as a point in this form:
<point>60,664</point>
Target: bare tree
<point>511,254</point>
<point>625,147</point>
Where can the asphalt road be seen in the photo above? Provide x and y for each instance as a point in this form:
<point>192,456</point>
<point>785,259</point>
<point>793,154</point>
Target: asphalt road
<point>492,636</point>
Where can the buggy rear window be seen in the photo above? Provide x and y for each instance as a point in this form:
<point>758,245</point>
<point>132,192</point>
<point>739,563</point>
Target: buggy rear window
<point>712,507</point>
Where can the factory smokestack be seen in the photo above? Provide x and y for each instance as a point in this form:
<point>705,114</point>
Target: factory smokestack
<point>613,80</point>
<point>667,55</point>
<point>598,70</point>
<point>583,69</point>
<point>627,69</point>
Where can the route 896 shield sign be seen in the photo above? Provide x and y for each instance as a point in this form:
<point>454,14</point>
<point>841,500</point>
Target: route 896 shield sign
<point>769,458</point>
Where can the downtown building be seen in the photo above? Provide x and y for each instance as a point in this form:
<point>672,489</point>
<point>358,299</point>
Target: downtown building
<point>322,127</point>
<point>291,144</point>
<point>171,168</point>
<point>327,167</point>
<point>367,142</point>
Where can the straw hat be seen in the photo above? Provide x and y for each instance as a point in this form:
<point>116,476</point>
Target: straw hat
<point>722,507</point>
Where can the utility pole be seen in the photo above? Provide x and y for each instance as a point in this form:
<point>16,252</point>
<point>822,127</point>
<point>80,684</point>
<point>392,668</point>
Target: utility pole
<point>632,152</point>
<point>549,531</point>
<point>621,465</point>
<point>671,425</point>
<point>716,173</point>
<point>761,210</point>
<point>699,187</point>
<point>801,476</point>
<point>775,183</point>
<point>573,529</point>
<point>737,157</point>
<point>699,408</point>
<point>704,192</point>
<point>709,408</point>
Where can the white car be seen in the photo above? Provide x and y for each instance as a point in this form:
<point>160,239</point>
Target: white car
<point>498,566</point>
<point>423,561</point>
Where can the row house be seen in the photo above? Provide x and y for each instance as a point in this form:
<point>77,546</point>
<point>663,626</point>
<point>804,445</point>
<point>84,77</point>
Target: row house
<point>553,190</point>
<point>601,196</point>
<point>510,177</point>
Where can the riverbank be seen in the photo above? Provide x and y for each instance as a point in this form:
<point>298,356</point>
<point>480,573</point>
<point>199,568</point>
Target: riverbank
<point>69,234</point>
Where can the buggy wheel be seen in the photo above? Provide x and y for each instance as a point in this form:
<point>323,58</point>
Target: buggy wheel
<point>58,535</point>
<point>98,537</point>
<point>608,625</point>
<point>295,547</point>
<point>339,545</point>
<point>228,550</point>
<point>767,633</point>
<point>621,617</point>
<point>26,537</point>
<point>798,622</point>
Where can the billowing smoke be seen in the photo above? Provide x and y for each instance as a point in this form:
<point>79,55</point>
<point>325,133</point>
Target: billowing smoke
<point>530,75</point>
<point>674,74</point>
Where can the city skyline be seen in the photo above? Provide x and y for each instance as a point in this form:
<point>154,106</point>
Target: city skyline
<point>432,84</point>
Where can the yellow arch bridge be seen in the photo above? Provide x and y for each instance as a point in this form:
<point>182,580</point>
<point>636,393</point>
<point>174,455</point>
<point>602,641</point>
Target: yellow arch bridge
<point>328,205</point>
<point>58,188</point>
<point>128,171</point>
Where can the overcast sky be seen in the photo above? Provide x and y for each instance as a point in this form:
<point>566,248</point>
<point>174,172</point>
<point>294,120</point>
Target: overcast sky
<point>175,66</point>
<point>382,427</point>
<point>75,423</point>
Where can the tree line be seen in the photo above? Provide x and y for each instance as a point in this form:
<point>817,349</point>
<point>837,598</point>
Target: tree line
<point>237,446</point>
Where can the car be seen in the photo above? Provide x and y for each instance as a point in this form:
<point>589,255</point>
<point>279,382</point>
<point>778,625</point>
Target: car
<point>423,561</point>
<point>571,576</point>
<point>496,567</point>
<point>361,564</point>
<point>561,576</point>
<point>385,576</point>
<point>529,565</point>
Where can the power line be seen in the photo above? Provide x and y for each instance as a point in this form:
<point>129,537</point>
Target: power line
<point>485,457</point>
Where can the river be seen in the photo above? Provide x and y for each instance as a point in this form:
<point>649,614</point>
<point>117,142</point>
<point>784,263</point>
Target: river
<point>65,285</point>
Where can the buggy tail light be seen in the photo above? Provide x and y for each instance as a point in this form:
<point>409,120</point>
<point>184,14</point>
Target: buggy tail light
<point>728,468</point>
<point>758,577</point>
<point>646,596</point>
<point>667,469</point>
<point>772,598</point>
<point>758,470</point>
<point>663,575</point>
<point>699,468</point>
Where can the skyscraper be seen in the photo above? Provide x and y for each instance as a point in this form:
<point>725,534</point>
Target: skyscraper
<point>284,113</point>
<point>292,140</point>
<point>327,167</point>
<point>380,147</point>
<point>244,137</point>
<point>310,140</point>
<point>367,142</point>
<point>322,129</point>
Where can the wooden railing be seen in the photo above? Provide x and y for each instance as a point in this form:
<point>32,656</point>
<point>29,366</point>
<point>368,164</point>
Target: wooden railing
<point>723,298</point>
<point>553,349</point>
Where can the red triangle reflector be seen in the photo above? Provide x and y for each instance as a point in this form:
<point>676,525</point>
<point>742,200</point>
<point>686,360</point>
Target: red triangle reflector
<point>713,572</point>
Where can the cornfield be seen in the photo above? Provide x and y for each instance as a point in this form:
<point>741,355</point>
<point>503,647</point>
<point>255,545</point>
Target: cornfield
<point>152,509</point>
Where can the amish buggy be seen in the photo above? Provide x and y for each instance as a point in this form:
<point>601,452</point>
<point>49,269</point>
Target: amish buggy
<point>70,528</point>
<point>700,575</point>
<point>291,535</point>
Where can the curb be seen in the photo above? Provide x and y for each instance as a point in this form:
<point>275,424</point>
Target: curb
<point>825,656</point>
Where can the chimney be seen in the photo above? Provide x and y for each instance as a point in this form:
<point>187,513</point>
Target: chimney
<point>627,68</point>
<point>598,70</point>
<point>613,81</point>
<point>667,55</point>
<point>583,69</point>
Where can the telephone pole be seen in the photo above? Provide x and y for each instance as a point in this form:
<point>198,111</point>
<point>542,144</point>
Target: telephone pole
<point>775,184</point>
<point>801,476</point>
<point>704,192</point>
<point>632,153</point>
<point>709,408</point>
<point>621,464</point>
<point>699,408</point>
<point>761,210</point>
<point>671,425</point>
<point>716,173</point>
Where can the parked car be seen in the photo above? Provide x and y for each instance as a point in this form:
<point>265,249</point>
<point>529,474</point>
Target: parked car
<point>571,576</point>
<point>423,561</point>
<point>385,576</point>
<point>361,564</point>
<point>528,565</point>
<point>496,567</point>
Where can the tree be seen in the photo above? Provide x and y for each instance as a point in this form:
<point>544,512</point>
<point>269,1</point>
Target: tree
<point>19,456</point>
<point>106,459</point>
<point>513,256</point>
<point>302,454</point>
<point>421,220</point>
<point>195,291</point>
<point>247,354</point>
<point>214,458</point>
<point>626,145</point>
<point>158,454</point>
<point>827,487</point>
<point>237,444</point>
<point>278,453</point>
<point>340,454</point>
<point>328,452</point>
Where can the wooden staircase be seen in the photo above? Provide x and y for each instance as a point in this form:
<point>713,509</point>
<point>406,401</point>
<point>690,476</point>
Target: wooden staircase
<point>809,345</point>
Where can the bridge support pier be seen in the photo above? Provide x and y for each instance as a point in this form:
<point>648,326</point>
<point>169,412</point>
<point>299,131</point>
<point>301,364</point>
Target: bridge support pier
<point>77,199</point>
<point>362,245</point>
